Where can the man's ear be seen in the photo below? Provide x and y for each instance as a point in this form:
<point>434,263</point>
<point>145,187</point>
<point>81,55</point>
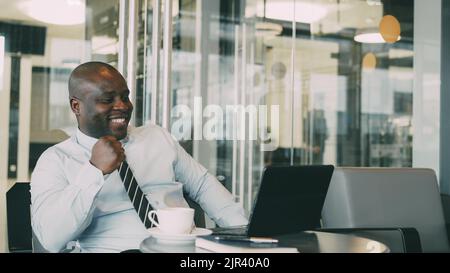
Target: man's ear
<point>75,106</point>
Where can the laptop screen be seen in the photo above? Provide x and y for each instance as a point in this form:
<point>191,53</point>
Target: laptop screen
<point>290,199</point>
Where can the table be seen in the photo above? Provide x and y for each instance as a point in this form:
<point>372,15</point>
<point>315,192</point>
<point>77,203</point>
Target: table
<point>306,242</point>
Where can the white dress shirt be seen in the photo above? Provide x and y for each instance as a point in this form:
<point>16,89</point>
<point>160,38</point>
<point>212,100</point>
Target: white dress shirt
<point>73,200</point>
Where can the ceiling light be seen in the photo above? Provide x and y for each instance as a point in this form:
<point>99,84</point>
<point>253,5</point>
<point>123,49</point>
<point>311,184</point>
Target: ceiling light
<point>374,2</point>
<point>390,28</point>
<point>304,12</point>
<point>268,29</point>
<point>71,63</point>
<point>104,45</point>
<point>57,12</point>
<point>369,61</point>
<point>370,36</point>
<point>396,53</point>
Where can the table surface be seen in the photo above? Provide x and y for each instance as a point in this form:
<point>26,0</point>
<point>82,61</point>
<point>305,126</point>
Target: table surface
<point>306,242</point>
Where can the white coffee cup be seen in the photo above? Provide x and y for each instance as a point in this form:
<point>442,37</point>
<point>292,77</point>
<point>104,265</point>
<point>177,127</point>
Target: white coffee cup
<point>173,220</point>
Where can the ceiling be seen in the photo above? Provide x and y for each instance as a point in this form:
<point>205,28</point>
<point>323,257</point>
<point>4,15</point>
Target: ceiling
<point>333,15</point>
<point>11,12</point>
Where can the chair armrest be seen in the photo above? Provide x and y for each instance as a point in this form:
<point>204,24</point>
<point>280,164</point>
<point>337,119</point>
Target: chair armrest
<point>446,208</point>
<point>447,228</point>
<point>410,237</point>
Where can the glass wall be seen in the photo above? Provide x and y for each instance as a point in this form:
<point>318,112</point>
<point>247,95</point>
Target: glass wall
<point>42,47</point>
<point>242,84</point>
<point>319,82</point>
<point>41,41</point>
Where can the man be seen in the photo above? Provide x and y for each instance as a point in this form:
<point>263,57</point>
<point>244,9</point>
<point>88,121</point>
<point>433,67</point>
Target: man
<point>76,190</point>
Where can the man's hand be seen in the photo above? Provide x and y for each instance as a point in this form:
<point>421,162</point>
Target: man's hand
<point>107,154</point>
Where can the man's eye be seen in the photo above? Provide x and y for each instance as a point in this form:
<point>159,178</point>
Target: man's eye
<point>106,100</point>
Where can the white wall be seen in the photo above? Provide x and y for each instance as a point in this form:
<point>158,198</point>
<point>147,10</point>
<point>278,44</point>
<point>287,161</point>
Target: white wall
<point>426,118</point>
<point>4,125</point>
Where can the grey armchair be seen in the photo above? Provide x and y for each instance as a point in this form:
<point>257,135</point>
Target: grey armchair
<point>387,198</point>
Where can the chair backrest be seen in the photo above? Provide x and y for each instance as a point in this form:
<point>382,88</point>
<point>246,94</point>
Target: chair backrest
<point>387,197</point>
<point>18,217</point>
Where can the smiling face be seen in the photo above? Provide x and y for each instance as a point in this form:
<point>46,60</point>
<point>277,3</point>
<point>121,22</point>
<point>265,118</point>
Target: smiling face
<point>102,104</point>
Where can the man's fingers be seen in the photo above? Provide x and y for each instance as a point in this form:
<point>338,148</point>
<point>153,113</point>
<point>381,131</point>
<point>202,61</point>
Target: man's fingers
<point>107,154</point>
<point>111,141</point>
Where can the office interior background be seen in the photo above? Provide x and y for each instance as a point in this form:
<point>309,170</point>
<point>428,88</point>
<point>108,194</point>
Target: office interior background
<point>347,97</point>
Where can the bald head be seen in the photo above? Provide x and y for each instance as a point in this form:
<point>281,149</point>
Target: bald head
<point>89,74</point>
<point>99,98</point>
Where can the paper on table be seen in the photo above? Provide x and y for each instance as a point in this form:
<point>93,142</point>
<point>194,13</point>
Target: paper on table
<point>223,246</point>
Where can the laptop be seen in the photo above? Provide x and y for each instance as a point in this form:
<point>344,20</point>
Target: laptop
<point>290,199</point>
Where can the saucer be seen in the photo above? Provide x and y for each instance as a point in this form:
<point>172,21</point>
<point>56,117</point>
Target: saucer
<point>156,233</point>
<point>153,245</point>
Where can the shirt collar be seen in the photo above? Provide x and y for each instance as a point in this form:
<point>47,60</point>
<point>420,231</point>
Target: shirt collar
<point>88,142</point>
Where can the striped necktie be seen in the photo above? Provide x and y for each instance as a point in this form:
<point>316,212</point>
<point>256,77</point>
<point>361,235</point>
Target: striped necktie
<point>137,197</point>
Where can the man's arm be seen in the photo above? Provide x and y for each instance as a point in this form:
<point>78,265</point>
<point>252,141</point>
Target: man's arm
<point>61,209</point>
<point>206,190</point>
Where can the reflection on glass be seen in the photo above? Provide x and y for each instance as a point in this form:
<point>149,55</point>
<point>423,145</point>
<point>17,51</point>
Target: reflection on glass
<point>340,101</point>
<point>390,29</point>
<point>45,40</point>
<point>369,122</point>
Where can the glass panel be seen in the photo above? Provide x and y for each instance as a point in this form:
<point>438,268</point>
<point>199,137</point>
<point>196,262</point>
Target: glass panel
<point>217,67</point>
<point>41,41</point>
<point>147,81</point>
<point>346,99</point>
<point>44,44</point>
<point>143,69</point>
<point>427,85</point>
<point>357,89</point>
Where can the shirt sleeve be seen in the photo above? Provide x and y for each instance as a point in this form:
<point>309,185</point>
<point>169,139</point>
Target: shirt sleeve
<point>206,190</point>
<point>61,209</point>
